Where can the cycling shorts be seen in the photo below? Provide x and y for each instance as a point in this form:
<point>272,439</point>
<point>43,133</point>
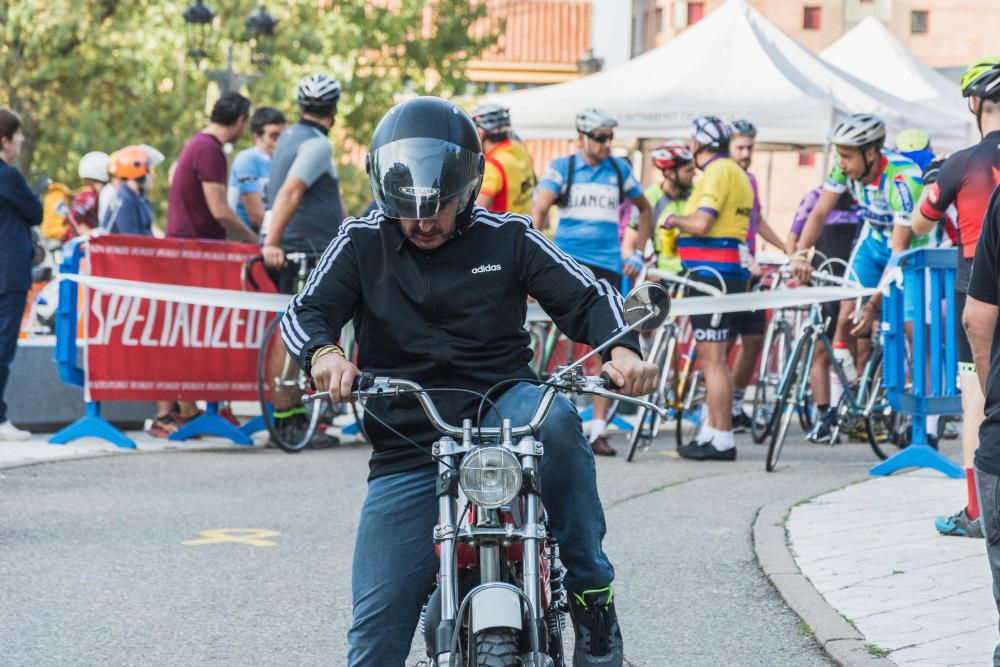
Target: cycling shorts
<point>836,241</point>
<point>962,338</point>
<point>868,264</point>
<point>730,324</point>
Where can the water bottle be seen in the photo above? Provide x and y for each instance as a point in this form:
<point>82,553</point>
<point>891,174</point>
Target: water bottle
<point>843,355</point>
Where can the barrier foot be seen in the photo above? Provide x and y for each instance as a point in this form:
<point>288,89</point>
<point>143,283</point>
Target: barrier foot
<point>92,425</point>
<point>254,425</point>
<point>351,429</point>
<point>918,456</point>
<point>211,423</point>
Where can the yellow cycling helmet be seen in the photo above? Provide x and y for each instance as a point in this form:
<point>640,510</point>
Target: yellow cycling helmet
<point>982,78</point>
<point>912,139</point>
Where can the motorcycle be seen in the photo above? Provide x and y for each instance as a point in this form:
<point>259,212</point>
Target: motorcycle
<point>499,599</point>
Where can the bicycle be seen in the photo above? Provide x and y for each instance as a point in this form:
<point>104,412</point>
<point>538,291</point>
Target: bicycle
<point>283,375</point>
<point>865,401</point>
<point>679,390</point>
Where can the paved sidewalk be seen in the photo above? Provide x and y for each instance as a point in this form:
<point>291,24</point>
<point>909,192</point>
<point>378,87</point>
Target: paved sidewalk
<point>871,551</point>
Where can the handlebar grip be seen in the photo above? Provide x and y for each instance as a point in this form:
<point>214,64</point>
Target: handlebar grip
<point>248,271</point>
<point>363,381</point>
<point>608,382</point>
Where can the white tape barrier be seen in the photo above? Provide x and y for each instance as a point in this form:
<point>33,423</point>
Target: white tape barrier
<point>276,303</point>
<point>198,296</point>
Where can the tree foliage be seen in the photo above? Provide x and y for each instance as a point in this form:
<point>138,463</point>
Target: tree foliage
<point>102,74</point>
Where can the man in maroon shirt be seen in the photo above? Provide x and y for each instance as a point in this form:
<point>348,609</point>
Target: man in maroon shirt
<point>197,207</point>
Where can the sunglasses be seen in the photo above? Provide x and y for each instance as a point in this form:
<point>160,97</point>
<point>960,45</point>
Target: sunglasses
<point>602,138</point>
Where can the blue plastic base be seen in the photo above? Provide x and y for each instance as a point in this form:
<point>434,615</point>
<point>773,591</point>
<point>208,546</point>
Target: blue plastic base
<point>918,456</point>
<point>211,423</point>
<point>254,425</point>
<point>588,413</point>
<point>92,426</point>
<point>351,429</point>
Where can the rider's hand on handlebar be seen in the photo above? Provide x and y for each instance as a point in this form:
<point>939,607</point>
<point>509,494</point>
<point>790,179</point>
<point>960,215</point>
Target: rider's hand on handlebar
<point>273,256</point>
<point>801,269</point>
<point>632,375</point>
<point>335,374</point>
<point>633,265</point>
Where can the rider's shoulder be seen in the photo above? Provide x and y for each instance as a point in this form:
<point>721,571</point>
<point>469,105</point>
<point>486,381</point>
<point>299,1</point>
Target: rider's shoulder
<point>363,226</point>
<point>504,222</point>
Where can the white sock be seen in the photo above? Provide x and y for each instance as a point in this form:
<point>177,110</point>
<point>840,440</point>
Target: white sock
<point>932,425</point>
<point>723,440</point>
<point>598,427</point>
<point>706,434</point>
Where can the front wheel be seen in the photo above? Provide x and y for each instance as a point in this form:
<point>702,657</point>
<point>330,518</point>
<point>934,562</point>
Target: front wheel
<point>497,647</point>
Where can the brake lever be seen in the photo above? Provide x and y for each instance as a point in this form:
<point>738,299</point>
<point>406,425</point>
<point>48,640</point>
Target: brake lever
<point>359,385</point>
<point>608,382</point>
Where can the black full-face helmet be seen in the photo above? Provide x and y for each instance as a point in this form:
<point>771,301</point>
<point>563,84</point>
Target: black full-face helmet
<point>424,155</point>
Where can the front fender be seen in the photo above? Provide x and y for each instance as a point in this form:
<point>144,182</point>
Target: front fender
<point>495,607</point>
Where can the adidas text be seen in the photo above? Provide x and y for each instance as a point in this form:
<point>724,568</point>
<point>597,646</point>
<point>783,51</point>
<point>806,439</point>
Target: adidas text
<point>487,268</point>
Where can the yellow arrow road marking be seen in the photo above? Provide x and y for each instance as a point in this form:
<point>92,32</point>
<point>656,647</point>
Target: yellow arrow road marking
<point>253,536</point>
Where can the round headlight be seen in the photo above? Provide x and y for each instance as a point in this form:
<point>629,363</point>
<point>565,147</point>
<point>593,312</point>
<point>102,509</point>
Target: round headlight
<point>490,476</point>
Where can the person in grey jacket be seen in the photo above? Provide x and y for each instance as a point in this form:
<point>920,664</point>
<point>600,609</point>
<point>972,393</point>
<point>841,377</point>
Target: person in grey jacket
<point>19,210</point>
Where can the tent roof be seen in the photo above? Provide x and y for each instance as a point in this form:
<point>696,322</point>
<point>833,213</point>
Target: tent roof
<point>735,64</point>
<point>896,71</point>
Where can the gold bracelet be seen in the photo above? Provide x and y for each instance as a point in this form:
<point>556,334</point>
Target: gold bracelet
<point>326,349</point>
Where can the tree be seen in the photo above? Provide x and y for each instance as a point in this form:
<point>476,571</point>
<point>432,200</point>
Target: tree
<point>103,74</point>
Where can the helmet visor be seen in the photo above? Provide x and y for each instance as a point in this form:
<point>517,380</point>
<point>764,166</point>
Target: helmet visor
<point>417,177</point>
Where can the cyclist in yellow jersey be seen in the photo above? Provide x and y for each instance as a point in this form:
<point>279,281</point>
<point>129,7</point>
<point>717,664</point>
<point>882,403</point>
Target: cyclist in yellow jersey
<point>509,179</point>
<point>713,234</point>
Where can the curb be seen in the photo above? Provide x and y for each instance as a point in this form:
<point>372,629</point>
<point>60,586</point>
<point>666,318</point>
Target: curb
<point>122,452</point>
<point>839,639</point>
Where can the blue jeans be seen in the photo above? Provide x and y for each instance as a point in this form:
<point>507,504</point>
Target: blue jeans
<point>11,311</point>
<point>988,490</point>
<point>395,566</point>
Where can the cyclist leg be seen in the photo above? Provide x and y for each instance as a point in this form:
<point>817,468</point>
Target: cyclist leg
<point>868,263</point>
<point>750,326</point>
<point>599,421</point>
<point>393,568</point>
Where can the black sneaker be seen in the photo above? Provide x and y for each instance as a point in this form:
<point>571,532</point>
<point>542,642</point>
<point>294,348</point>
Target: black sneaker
<point>822,432</point>
<point>598,637</point>
<point>705,451</point>
<point>742,422</point>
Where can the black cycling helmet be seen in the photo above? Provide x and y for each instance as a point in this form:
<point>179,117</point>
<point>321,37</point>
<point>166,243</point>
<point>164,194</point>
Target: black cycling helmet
<point>424,154</point>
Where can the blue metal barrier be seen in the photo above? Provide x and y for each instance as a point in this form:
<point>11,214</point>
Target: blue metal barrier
<point>930,275</point>
<point>92,424</point>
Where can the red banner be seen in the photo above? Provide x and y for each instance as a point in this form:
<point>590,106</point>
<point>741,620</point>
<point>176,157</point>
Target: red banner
<point>143,350</point>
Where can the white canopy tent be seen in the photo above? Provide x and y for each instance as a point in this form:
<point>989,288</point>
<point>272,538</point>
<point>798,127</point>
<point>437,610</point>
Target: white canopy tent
<point>872,54</point>
<point>735,64</point>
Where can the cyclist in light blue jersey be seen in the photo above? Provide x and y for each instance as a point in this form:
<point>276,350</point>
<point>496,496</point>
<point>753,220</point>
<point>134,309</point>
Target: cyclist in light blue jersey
<point>588,188</point>
<point>247,192</point>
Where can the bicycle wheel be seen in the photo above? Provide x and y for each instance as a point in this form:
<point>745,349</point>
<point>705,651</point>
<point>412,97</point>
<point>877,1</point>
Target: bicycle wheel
<point>888,431</point>
<point>787,403</point>
<point>284,376</point>
<point>776,350</point>
<point>647,426</point>
<point>691,413</point>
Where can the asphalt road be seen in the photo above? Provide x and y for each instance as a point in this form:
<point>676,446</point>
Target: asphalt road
<point>94,569</point>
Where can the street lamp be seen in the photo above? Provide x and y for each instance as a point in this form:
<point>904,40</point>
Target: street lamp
<point>589,63</point>
<point>259,28</point>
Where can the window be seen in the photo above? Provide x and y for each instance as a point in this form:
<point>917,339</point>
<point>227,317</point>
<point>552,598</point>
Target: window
<point>918,22</point>
<point>807,159</point>
<point>810,18</point>
<point>696,12</point>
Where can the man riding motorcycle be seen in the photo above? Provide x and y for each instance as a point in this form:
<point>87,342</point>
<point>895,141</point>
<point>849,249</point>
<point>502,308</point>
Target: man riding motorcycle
<point>437,289</point>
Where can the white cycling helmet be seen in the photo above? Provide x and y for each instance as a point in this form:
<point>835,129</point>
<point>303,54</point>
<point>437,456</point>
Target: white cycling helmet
<point>711,132</point>
<point>156,158</point>
<point>318,92</point>
<point>491,118</point>
<point>591,119</point>
<point>858,130</point>
<point>94,166</point>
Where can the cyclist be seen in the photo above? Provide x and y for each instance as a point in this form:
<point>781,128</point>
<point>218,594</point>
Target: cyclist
<point>249,175</point>
<point>965,181</point>
<point>713,233</point>
<point>130,212</point>
<point>509,180</point>
<point>751,323</point>
<point>83,210</point>
<point>303,190</point>
<point>412,276</point>
<point>915,144</point>
<point>674,160</point>
<point>885,186</point>
<point>588,188</point>
<point>306,212</point>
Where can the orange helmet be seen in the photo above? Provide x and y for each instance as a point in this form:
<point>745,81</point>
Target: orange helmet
<point>131,162</point>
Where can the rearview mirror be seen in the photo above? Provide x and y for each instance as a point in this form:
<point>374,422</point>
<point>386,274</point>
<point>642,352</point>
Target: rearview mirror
<point>648,303</point>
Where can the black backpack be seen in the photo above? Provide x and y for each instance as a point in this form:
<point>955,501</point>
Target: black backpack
<point>563,199</point>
